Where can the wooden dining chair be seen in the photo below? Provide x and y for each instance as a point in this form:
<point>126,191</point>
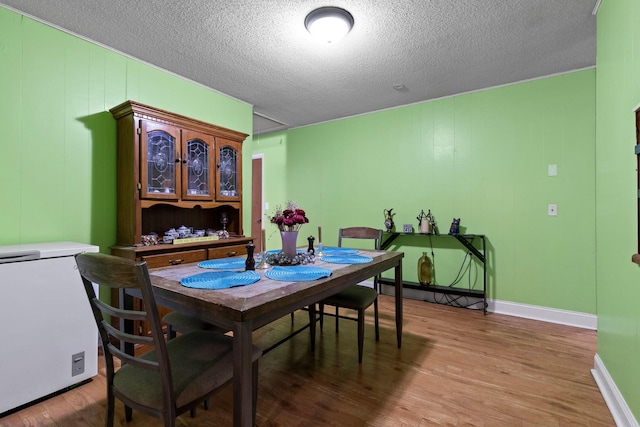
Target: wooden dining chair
<point>173,376</point>
<point>356,297</point>
<point>179,322</point>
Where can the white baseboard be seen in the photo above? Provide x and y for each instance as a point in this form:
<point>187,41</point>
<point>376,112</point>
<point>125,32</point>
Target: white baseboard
<point>615,402</point>
<point>534,312</point>
<point>545,314</point>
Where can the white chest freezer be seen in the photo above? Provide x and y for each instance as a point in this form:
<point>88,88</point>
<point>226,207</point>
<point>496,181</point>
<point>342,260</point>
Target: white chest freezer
<point>48,337</point>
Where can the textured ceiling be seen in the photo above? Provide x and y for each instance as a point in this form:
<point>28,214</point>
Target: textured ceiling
<point>259,51</point>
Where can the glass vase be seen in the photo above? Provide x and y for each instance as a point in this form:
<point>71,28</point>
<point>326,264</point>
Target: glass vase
<point>289,239</point>
<point>425,268</point>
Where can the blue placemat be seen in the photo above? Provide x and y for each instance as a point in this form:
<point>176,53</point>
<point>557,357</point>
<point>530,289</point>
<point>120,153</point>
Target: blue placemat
<point>297,273</point>
<point>346,259</point>
<point>338,251</point>
<point>223,263</point>
<point>220,279</point>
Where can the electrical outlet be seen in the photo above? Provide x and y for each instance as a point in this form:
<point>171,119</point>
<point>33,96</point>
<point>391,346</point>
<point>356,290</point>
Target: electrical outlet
<point>77,364</point>
<point>552,209</point>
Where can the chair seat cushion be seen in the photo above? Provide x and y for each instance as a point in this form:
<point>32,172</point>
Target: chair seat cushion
<point>201,362</point>
<point>354,297</point>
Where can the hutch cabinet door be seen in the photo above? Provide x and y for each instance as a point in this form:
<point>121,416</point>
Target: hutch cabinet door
<point>160,160</point>
<point>228,177</point>
<point>197,166</point>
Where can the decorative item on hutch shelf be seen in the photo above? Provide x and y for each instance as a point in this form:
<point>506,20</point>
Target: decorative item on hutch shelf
<point>150,239</point>
<point>388,220</point>
<point>224,220</point>
<point>407,228</point>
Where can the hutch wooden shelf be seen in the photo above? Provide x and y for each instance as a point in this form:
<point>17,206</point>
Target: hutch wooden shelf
<point>466,242</point>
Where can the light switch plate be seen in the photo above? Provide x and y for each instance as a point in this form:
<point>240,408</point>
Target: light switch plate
<point>552,170</point>
<point>552,209</point>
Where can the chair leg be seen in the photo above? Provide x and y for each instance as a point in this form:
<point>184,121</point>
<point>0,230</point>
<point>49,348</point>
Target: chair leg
<point>292,317</point>
<point>312,325</point>
<point>254,391</point>
<point>170,332</point>
<point>376,317</point>
<point>321,310</point>
<point>128,413</point>
<point>192,412</point>
<point>108,422</point>
<point>337,319</point>
<point>360,334</point>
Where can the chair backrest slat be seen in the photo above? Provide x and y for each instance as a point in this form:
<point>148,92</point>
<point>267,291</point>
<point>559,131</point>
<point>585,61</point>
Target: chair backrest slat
<point>121,314</point>
<point>136,361</point>
<point>360,233</point>
<point>123,336</point>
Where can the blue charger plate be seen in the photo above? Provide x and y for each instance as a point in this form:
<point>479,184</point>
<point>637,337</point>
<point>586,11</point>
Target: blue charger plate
<point>346,259</point>
<point>220,279</point>
<point>223,263</point>
<point>297,273</point>
<point>338,251</point>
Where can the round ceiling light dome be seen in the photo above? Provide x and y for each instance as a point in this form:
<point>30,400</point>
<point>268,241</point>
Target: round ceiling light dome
<point>329,24</point>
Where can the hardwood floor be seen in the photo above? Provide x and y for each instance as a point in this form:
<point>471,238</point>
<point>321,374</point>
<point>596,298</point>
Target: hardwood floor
<point>456,368</point>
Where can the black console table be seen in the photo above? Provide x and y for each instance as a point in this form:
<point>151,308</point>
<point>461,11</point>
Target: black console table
<point>466,241</point>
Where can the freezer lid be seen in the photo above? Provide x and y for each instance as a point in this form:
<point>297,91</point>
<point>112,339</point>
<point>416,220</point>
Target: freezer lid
<point>44,250</point>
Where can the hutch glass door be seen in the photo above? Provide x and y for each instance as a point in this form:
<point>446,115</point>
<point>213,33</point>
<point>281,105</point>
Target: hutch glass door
<point>160,160</point>
<point>197,167</point>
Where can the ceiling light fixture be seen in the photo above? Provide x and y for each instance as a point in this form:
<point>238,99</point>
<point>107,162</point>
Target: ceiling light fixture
<point>329,24</point>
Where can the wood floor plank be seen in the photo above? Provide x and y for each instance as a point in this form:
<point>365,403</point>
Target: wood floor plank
<point>456,367</point>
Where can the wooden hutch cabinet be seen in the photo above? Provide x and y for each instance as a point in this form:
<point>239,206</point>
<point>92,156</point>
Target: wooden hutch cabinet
<point>176,171</point>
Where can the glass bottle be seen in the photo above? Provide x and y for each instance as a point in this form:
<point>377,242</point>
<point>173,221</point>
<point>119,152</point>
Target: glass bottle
<point>424,269</point>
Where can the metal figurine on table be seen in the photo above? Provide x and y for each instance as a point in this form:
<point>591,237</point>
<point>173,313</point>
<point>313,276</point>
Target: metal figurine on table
<point>310,248</point>
<point>262,255</point>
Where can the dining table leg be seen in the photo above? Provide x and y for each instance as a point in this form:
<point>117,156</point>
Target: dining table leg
<point>242,374</point>
<point>398,274</point>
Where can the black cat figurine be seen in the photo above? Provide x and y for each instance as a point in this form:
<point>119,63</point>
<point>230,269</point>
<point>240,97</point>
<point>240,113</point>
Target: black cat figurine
<point>455,226</point>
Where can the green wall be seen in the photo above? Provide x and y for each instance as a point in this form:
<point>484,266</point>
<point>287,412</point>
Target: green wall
<point>482,157</point>
<point>618,92</point>
<point>57,136</point>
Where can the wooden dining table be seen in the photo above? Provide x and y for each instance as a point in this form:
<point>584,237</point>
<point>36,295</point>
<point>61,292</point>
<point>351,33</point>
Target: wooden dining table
<point>246,308</point>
